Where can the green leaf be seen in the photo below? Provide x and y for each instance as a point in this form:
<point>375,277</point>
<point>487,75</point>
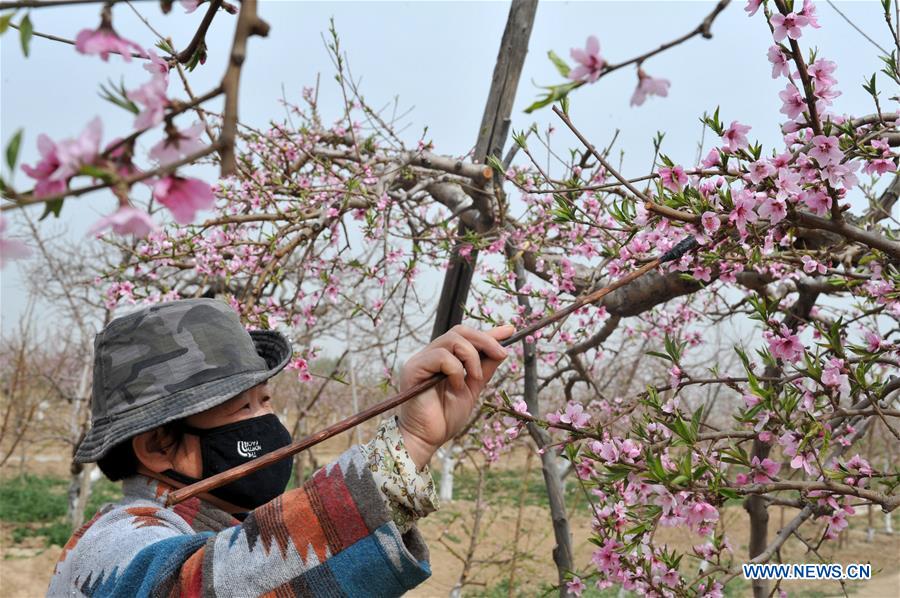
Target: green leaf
<point>198,57</point>
<point>660,355</point>
<point>165,47</point>
<point>680,480</point>
<point>97,173</point>
<point>52,207</point>
<point>559,63</point>
<point>25,32</point>
<point>554,94</point>
<point>4,21</point>
<point>12,150</point>
<point>729,493</point>
<point>117,95</point>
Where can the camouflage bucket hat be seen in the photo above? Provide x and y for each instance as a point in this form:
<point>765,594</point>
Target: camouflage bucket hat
<point>171,360</point>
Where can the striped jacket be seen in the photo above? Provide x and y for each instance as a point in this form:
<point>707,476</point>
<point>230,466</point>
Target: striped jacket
<point>334,536</point>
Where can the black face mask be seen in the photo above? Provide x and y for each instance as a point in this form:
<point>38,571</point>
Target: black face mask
<point>234,444</point>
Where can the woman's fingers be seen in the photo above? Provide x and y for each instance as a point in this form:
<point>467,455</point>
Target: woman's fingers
<point>449,364</point>
<point>466,352</point>
<point>486,342</point>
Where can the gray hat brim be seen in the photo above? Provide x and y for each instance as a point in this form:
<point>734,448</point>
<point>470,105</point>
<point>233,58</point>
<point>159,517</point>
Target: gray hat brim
<point>271,345</point>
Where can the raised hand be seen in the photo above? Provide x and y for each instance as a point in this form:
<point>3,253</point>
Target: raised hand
<point>438,414</point>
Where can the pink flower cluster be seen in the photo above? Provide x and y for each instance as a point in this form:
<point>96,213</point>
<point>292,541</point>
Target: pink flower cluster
<point>590,62</point>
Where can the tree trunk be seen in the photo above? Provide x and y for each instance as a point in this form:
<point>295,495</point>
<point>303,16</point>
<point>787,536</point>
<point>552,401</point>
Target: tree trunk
<point>447,455</point>
<point>562,552</point>
<point>756,505</point>
<point>888,521</point>
<point>80,479</point>
<point>523,492</point>
<point>456,592</point>
<point>759,522</point>
<point>491,138</point>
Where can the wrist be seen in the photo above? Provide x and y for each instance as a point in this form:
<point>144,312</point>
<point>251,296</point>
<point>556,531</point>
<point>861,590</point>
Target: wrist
<point>419,450</point>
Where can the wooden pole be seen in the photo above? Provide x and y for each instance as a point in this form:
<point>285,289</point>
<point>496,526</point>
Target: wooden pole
<point>240,471</point>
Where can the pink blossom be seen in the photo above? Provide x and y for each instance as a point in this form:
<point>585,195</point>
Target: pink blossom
<point>61,161</point>
<point>860,464</point>
<point>156,66</point>
<point>806,461</point>
<point>45,172</point>
<point>710,222</point>
<point>764,471</point>
<point>675,376</point>
<point>842,174</point>
<point>152,96</point>
<point>606,559</point>
<point>882,164</point>
<point>649,86</point>
<point>736,136</point>
<point>607,451</point>
<point>712,159</point>
<point>809,11</point>
<point>670,578</point>
<point>575,416</point>
<point>180,145</point>
<point>787,184</point>
<point>700,512</point>
<point>836,524</point>
<point>11,249</point>
<point>584,469</point>
<point>183,196</point>
<point>816,200</point>
<point>786,346</point>
<point>590,63</point>
<point>759,170</point>
<point>752,6</point>
<point>103,41</point>
<point>630,450</point>
<point>772,209</point>
<point>788,25</point>
<point>821,72</point>
<point>833,376</point>
<point>674,179</point>
<point>743,213</point>
<point>811,266</point>
<point>576,586</point>
<point>793,103</point>
<point>80,151</point>
<point>702,273</point>
<point>521,407</point>
<point>826,150</point>
<point>873,342</point>
<point>780,64</point>
<point>302,367</point>
<point>190,5</point>
<point>126,220</point>
<point>789,442</point>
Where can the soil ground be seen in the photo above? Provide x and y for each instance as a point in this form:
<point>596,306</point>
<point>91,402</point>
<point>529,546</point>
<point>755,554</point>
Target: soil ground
<point>26,566</point>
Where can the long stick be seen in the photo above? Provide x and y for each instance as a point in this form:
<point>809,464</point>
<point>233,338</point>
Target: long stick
<point>240,471</point>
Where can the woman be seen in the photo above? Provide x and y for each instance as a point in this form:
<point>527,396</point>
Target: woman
<point>180,394</point>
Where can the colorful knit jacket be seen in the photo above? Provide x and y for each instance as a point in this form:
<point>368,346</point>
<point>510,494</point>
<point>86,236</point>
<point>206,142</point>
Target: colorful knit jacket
<point>334,536</point>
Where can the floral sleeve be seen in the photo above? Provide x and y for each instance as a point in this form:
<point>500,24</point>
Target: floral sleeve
<point>407,492</point>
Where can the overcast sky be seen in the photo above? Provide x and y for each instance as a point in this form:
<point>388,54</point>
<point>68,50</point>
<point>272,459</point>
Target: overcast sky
<point>437,57</point>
